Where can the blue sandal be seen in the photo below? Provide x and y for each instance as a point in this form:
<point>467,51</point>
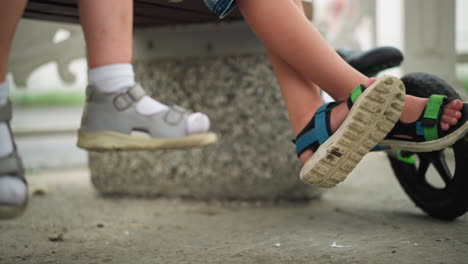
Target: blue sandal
<point>426,133</point>
<point>373,113</point>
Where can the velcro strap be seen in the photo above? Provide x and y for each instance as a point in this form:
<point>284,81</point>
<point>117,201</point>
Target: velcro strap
<point>5,112</point>
<point>122,101</point>
<point>355,93</point>
<point>127,98</point>
<point>318,134</point>
<point>11,165</point>
<point>322,109</point>
<point>89,93</point>
<point>136,92</point>
<point>419,129</point>
<point>175,115</point>
<point>431,116</point>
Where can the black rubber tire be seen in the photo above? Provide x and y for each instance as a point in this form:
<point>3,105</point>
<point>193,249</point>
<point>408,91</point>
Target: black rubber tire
<point>372,61</point>
<point>425,84</point>
<point>449,202</point>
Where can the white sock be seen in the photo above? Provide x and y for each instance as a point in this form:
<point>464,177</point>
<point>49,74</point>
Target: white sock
<point>114,77</point>
<point>6,142</point>
<point>12,190</point>
<point>198,123</point>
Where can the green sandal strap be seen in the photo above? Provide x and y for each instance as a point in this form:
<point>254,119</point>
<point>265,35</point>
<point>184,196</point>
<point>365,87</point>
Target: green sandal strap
<point>431,117</point>
<point>355,94</point>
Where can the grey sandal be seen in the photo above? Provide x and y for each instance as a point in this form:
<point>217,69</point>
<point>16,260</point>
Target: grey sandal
<point>110,120</point>
<point>12,166</point>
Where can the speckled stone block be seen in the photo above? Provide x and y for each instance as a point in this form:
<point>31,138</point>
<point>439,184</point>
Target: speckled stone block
<point>254,158</point>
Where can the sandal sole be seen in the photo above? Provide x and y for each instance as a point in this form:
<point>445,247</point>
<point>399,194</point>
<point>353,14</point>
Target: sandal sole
<point>9,212</point>
<point>371,118</point>
<point>430,145</point>
<point>108,140</point>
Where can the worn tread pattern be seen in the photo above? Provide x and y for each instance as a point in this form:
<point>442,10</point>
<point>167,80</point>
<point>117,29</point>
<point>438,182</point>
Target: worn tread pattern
<point>371,118</point>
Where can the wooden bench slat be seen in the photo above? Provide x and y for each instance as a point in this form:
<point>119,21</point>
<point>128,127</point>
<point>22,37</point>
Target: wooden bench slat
<point>192,5</point>
<point>48,8</point>
<point>146,12</point>
<point>50,17</point>
<point>170,13</point>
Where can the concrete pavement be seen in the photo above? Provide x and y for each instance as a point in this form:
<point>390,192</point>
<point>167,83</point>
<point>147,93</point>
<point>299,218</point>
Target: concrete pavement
<point>368,219</point>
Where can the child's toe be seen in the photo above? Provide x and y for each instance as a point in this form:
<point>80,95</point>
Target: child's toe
<point>456,105</point>
<point>450,120</point>
<point>444,126</point>
<point>452,113</point>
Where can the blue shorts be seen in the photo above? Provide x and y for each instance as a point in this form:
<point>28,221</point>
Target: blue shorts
<point>220,7</point>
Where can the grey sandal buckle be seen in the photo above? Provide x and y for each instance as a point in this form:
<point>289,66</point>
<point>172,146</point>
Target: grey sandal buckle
<point>122,102</point>
<point>11,164</point>
<point>125,99</point>
<point>175,115</point>
<point>136,92</point>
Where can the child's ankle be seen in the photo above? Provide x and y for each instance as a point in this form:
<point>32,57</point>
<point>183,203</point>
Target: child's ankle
<point>113,77</point>
<point>298,122</point>
<point>413,108</point>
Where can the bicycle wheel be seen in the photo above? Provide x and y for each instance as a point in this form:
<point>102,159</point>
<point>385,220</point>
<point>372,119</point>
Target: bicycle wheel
<point>437,182</point>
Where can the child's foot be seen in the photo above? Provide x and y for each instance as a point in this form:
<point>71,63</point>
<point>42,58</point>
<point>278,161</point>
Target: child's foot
<point>117,110</point>
<point>13,186</point>
<point>339,147</point>
<point>127,119</point>
<point>412,110</point>
<point>13,196</point>
<point>440,124</point>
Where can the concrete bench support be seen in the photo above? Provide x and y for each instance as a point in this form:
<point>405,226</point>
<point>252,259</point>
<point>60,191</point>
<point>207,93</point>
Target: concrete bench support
<point>221,70</point>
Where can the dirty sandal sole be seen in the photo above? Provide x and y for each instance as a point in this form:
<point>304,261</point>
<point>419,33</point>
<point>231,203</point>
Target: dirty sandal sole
<point>9,212</point>
<point>428,146</point>
<point>370,119</point>
<point>108,140</point>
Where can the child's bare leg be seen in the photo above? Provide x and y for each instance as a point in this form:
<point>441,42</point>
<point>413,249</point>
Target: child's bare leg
<point>285,30</point>
<point>287,33</point>
<point>10,14</point>
<point>301,96</point>
<point>107,27</point>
